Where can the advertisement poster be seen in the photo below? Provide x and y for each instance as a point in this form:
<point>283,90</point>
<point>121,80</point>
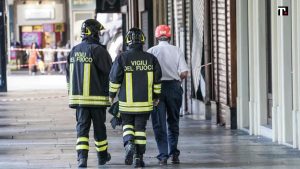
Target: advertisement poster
<point>29,37</point>
<point>48,28</point>
<point>59,27</point>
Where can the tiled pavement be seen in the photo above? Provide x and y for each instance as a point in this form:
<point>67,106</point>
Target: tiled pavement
<point>37,130</point>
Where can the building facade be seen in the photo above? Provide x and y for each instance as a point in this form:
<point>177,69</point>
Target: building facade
<point>248,55</point>
<point>206,32</point>
<point>39,21</point>
<point>268,73</point>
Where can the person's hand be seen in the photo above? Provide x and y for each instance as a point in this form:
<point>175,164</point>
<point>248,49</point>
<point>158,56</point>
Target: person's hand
<point>111,99</point>
<point>155,102</point>
<point>183,75</point>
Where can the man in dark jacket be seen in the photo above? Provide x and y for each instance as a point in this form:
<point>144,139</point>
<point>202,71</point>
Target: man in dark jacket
<point>137,75</point>
<point>88,83</point>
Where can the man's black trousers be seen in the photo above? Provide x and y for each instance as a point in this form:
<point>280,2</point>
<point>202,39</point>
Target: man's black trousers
<point>84,117</point>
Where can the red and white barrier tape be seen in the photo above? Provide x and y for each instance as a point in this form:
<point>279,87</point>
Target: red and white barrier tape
<point>40,50</point>
<point>52,63</point>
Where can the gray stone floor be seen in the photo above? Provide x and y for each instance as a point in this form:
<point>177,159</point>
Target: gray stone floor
<point>37,130</point>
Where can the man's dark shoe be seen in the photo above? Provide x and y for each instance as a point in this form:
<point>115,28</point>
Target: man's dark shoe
<point>163,162</point>
<point>138,161</point>
<point>129,152</point>
<point>82,162</point>
<point>175,158</point>
<point>103,161</point>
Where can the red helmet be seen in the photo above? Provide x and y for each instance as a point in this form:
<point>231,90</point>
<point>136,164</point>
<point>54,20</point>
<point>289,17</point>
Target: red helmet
<point>163,30</point>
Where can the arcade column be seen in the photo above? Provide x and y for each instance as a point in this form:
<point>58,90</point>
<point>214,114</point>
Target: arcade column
<point>3,52</point>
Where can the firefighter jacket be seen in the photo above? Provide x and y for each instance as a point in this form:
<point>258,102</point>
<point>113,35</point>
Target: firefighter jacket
<point>88,67</point>
<point>136,74</point>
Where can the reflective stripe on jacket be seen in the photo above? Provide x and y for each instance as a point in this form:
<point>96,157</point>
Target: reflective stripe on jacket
<point>88,75</point>
<point>137,75</point>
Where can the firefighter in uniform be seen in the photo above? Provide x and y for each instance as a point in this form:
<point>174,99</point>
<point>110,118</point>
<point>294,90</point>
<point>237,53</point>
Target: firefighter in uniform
<point>88,70</point>
<point>136,74</point>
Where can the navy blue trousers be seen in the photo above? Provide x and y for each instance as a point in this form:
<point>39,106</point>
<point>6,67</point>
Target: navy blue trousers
<point>165,119</point>
<point>84,118</point>
<point>134,129</point>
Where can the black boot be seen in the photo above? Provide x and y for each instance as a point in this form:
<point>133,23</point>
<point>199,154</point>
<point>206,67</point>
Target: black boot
<point>102,161</point>
<point>82,162</point>
<point>175,158</point>
<point>138,161</point>
<point>129,151</point>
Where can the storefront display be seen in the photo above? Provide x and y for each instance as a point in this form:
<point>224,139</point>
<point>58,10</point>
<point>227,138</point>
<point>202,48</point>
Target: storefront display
<point>31,37</point>
<point>42,34</point>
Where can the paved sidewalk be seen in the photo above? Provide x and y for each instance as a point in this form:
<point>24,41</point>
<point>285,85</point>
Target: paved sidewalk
<point>37,82</point>
<point>37,130</point>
